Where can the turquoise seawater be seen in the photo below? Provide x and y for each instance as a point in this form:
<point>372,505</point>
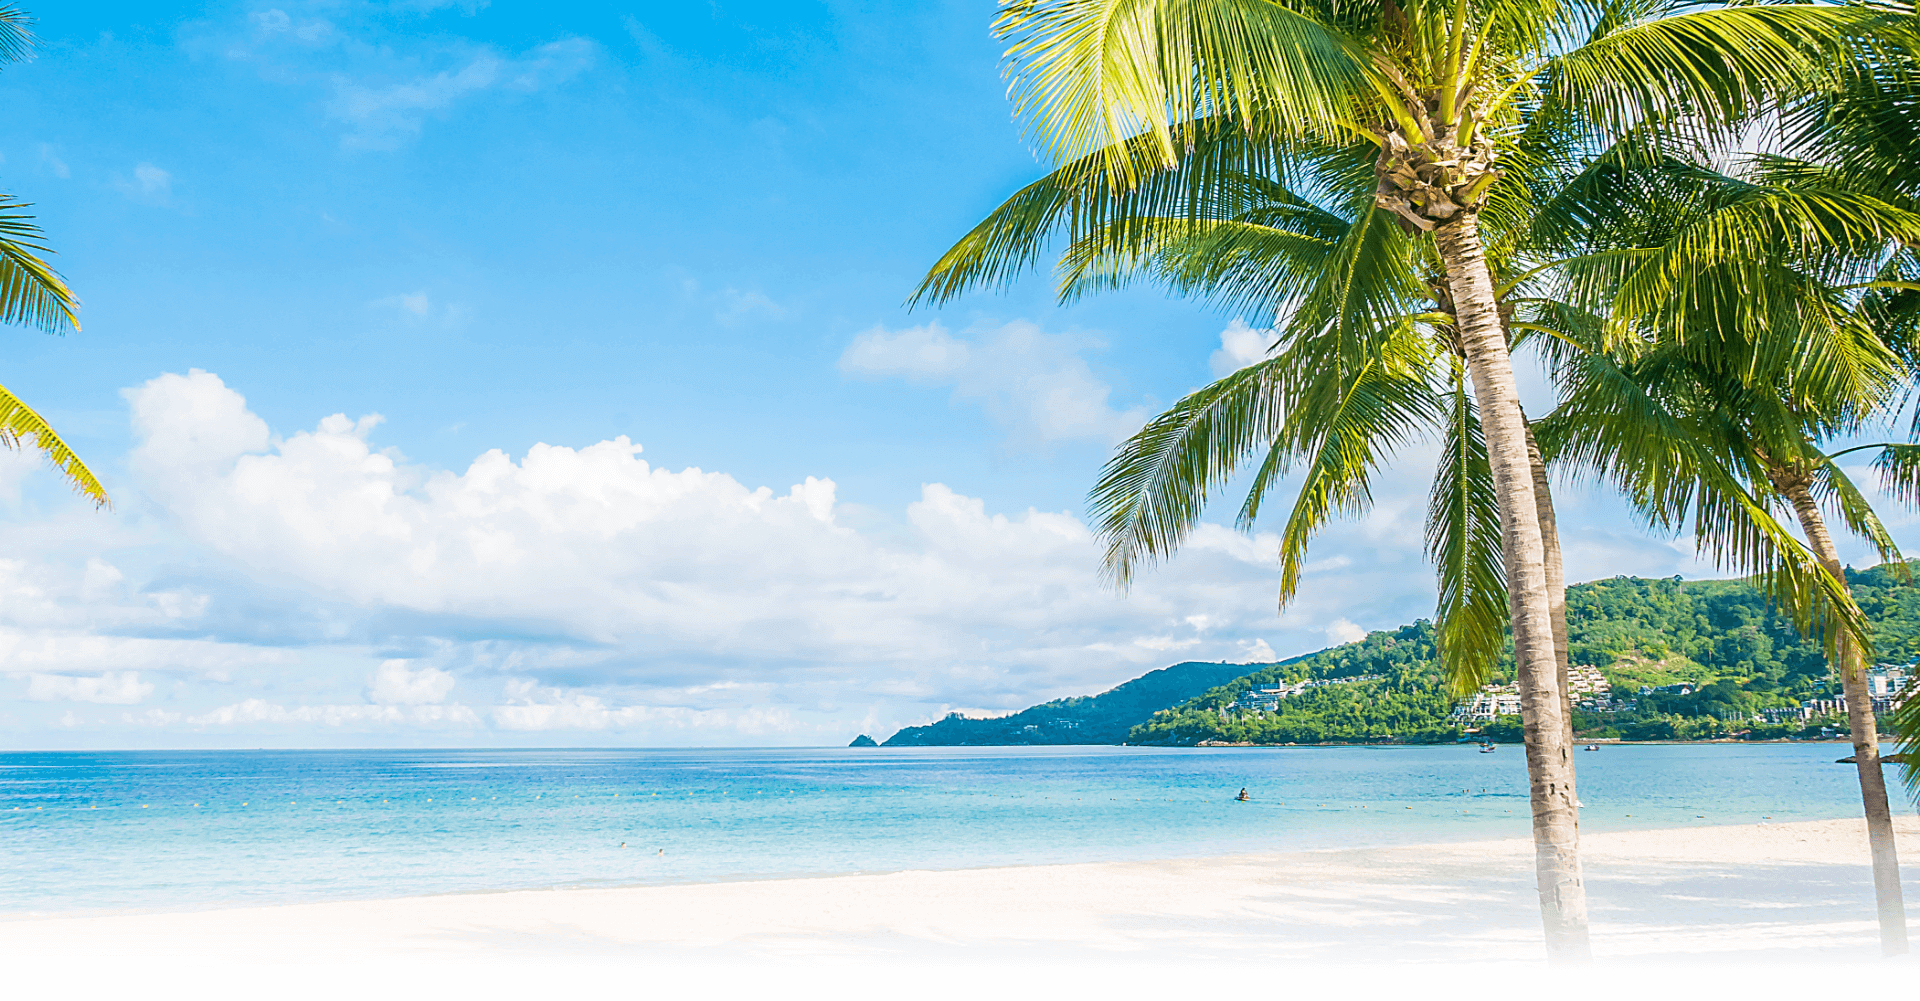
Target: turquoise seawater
<point>168,829</point>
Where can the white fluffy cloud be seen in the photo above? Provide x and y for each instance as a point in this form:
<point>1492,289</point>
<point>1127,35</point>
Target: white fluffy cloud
<point>531,707</point>
<point>256,711</point>
<point>395,684</point>
<point>1344,631</point>
<point>320,583</point>
<point>120,688</point>
<point>1240,345</point>
<point>1036,385</point>
<point>585,589</point>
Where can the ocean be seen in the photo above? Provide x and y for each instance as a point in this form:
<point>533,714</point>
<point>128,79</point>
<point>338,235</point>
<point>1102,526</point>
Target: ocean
<point>145,830</point>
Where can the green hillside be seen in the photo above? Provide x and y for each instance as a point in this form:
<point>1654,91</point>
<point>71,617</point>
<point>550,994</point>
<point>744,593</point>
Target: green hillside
<point>1719,636</point>
<point>1083,719</point>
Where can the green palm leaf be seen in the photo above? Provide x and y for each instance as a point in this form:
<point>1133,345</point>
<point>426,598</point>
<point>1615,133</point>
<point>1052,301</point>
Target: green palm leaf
<point>19,422</point>
<point>1676,470</point>
<point>30,291</point>
<point>1463,541</point>
<point>1345,439</point>
<point>1899,469</point>
<point>16,41</point>
<point>1152,492</point>
<point>1857,513</point>
<point>1716,67</point>
<point>1090,75</point>
<point>1224,172</point>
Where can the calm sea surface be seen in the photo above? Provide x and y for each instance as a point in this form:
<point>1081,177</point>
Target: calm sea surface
<point>163,829</point>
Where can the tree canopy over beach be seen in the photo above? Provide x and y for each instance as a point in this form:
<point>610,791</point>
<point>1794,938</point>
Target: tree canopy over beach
<point>1383,177</point>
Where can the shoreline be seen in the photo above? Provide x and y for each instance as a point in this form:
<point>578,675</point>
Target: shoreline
<point>461,748</point>
<point>8,919</point>
<point>1607,741</point>
<point>1786,891</point>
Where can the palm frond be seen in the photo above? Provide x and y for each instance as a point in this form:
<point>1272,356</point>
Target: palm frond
<point>1717,67</point>
<point>1463,541</point>
<point>1906,726</point>
<point>16,35</point>
<point>1377,411</point>
<point>1866,129</point>
<point>1242,266</point>
<point>31,292</point>
<point>1090,75</point>
<point>1152,492</point>
<point>1899,469</point>
<point>20,424</point>
<point>1676,467</point>
<point>1223,173</point>
<point>1856,513</point>
<point>1743,245</point>
<point>1368,281</point>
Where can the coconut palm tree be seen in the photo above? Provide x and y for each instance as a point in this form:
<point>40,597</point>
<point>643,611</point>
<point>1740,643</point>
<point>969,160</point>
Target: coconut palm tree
<point>1865,135</point>
<point>1122,92</point>
<point>32,293</point>
<point>1714,426</point>
<point>1754,360</point>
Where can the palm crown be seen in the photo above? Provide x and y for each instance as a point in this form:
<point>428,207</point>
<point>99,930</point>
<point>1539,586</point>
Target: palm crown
<point>1297,153</point>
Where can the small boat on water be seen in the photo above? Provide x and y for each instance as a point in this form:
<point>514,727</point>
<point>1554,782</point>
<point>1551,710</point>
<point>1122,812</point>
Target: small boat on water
<point>1593,747</point>
<point>1486,748</point>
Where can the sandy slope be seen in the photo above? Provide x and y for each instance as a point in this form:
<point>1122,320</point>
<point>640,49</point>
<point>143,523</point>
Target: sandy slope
<point>1779,891</point>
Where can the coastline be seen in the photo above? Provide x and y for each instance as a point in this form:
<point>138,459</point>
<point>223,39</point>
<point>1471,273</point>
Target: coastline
<point>1782,892</point>
<point>1604,741</point>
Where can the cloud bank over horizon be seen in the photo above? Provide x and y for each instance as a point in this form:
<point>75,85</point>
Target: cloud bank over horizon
<point>314,585</point>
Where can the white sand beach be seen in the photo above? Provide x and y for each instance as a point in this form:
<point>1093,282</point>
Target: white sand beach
<point>1729,897</point>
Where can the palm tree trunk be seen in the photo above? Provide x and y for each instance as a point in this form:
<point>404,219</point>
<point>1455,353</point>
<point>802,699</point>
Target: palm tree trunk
<point>1556,827</point>
<point>1866,732</point>
<point>1556,580</point>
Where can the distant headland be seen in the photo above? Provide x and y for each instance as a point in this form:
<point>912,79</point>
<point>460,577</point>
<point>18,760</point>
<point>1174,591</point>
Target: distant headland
<point>1654,660</point>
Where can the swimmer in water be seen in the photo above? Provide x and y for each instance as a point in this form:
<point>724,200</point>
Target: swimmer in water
<point>1243,797</point>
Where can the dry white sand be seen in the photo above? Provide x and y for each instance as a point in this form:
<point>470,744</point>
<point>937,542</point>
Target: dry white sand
<point>1729,896</point>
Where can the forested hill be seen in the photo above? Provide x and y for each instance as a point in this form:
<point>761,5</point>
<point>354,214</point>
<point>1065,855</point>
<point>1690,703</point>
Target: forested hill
<point>1720,636</point>
<point>1084,719</point>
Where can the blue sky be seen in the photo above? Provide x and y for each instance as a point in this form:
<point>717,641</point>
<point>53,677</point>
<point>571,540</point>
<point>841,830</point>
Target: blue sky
<point>607,221</point>
<point>501,241</point>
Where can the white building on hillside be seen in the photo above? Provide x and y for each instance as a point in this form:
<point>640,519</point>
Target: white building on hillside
<point>1488,704</point>
<point>1266,698</point>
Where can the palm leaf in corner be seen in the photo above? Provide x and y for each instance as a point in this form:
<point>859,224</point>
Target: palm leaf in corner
<point>32,293</point>
<point>19,421</point>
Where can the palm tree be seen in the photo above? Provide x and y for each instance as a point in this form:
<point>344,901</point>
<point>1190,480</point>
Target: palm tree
<point>1125,91</point>
<point>1865,134</point>
<point>33,294</point>
<point>1713,408</point>
<point>1344,387</point>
